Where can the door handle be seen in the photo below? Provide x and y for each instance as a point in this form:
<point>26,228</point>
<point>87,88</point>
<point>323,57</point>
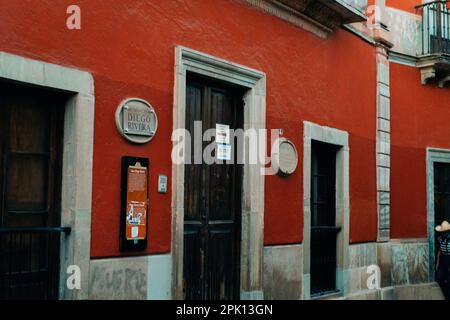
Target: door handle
<point>204,214</point>
<point>202,263</point>
<point>203,208</point>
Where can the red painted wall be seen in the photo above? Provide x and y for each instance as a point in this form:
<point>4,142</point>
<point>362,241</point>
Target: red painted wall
<point>420,119</point>
<point>129,46</point>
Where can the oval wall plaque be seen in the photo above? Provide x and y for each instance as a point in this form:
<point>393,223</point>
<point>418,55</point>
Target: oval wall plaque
<point>136,120</point>
<point>285,157</point>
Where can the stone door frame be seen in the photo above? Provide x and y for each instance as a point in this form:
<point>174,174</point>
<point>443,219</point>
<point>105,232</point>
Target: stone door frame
<point>312,131</point>
<point>77,158</point>
<point>191,61</point>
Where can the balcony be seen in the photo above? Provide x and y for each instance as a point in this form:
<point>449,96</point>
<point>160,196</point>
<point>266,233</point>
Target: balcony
<point>434,62</point>
<point>331,14</point>
<point>318,16</point>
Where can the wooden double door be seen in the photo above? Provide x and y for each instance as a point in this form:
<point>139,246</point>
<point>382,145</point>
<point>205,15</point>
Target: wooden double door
<point>30,174</point>
<point>212,217</point>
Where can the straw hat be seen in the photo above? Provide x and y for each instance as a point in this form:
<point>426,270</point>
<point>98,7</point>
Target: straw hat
<point>444,226</point>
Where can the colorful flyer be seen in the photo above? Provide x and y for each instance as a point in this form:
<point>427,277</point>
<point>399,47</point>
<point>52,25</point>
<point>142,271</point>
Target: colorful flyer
<point>136,221</point>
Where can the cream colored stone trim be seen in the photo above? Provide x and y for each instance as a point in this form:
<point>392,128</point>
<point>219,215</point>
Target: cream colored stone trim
<point>383,143</point>
<point>77,156</point>
<point>13,67</point>
<point>339,138</point>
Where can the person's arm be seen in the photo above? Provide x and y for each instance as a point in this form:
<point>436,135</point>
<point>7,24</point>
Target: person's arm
<point>438,259</point>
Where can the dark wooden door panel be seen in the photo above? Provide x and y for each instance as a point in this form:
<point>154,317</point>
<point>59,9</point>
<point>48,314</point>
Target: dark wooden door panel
<point>31,156</point>
<point>193,200</point>
<point>221,270</point>
<point>212,198</point>
<point>30,146</point>
<point>222,176</point>
<point>27,183</point>
<point>222,206</point>
<point>30,124</point>
<point>193,258</point>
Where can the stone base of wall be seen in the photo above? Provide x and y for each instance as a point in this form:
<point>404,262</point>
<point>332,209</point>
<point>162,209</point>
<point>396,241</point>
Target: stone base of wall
<point>136,278</point>
<point>403,262</point>
<point>402,268</point>
<point>361,257</point>
<point>282,279</point>
<point>426,291</point>
<point>430,291</point>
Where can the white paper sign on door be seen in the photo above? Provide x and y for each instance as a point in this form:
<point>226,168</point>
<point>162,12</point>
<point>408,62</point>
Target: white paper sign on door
<point>223,152</point>
<point>222,133</point>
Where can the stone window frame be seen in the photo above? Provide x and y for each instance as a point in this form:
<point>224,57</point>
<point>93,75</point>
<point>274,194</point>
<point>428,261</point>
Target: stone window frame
<point>312,131</point>
<point>77,158</point>
<point>252,238</point>
<point>440,156</point>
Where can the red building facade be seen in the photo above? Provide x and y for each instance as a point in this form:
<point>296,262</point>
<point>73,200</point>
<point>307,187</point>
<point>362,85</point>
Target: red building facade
<point>358,83</point>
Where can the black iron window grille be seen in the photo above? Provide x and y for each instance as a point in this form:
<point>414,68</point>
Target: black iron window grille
<point>30,263</point>
<point>323,259</point>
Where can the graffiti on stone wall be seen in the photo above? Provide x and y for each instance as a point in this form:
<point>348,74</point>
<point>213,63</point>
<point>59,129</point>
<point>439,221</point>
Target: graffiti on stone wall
<point>117,283</point>
<point>409,264</point>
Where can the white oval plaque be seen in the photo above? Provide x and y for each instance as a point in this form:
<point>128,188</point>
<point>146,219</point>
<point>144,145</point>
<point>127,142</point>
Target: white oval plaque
<point>136,120</point>
<point>284,157</point>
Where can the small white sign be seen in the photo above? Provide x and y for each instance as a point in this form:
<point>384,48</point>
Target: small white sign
<point>222,133</point>
<point>223,152</point>
<point>162,184</point>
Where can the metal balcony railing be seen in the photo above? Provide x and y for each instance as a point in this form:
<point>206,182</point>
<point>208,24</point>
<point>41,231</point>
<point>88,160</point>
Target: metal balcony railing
<point>435,27</point>
<point>29,263</point>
